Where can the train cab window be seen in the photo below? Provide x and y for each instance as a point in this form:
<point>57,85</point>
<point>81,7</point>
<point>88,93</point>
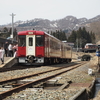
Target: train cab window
<point>39,40</point>
<point>22,40</point>
<point>30,41</point>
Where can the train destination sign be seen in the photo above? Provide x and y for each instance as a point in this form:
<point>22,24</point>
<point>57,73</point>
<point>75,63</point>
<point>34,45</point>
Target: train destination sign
<point>30,33</point>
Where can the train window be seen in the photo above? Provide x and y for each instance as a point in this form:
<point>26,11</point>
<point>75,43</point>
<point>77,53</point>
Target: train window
<point>30,41</point>
<point>39,40</point>
<point>22,40</point>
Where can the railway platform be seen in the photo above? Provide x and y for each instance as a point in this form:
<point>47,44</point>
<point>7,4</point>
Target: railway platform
<point>8,62</point>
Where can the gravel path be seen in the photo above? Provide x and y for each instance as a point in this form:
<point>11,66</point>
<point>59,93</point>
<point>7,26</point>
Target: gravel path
<point>79,75</point>
<point>23,72</point>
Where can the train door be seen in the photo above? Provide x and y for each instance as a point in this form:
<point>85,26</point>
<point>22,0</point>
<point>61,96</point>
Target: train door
<point>30,45</point>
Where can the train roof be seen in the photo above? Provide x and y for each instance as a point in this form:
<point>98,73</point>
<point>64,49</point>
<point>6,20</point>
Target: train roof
<point>30,32</point>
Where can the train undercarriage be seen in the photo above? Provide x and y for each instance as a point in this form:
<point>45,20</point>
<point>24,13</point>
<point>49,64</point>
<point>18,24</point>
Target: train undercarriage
<point>31,60</point>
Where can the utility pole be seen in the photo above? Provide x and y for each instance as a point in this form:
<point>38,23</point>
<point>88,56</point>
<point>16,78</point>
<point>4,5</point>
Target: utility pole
<point>77,43</point>
<point>12,25</point>
<point>80,42</point>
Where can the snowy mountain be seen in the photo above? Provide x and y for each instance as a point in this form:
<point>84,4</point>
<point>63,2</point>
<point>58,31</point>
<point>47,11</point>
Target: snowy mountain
<point>68,24</point>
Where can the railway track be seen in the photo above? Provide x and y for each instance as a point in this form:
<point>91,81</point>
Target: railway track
<point>16,67</point>
<point>12,68</point>
<point>40,78</point>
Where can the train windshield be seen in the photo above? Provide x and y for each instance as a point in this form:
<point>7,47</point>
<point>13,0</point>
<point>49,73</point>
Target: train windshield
<point>22,40</point>
<point>39,40</point>
<point>30,41</point>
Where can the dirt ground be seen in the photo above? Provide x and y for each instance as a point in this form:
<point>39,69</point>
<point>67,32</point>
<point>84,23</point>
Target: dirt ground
<point>93,61</point>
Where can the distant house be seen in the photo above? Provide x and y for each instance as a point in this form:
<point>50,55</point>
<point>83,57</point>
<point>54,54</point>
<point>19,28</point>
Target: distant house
<point>2,41</point>
<point>69,43</point>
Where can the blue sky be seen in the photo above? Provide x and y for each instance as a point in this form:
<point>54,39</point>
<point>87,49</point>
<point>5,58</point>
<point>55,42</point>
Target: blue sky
<point>47,9</point>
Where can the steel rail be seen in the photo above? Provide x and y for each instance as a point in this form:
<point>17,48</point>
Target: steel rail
<point>24,86</point>
<point>4,69</point>
<point>35,74</point>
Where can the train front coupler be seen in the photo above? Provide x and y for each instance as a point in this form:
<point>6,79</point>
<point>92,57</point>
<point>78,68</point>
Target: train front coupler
<point>30,59</point>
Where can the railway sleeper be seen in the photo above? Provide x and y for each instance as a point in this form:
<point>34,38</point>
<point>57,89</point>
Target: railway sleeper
<point>7,84</point>
<point>40,85</point>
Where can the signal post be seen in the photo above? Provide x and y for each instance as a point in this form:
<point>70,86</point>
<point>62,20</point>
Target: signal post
<point>98,55</point>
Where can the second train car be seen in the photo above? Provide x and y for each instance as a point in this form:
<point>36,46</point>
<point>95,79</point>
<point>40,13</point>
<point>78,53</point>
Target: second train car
<point>38,48</point>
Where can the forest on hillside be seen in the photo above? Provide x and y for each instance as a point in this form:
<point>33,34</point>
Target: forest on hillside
<point>6,33</point>
<point>79,37</point>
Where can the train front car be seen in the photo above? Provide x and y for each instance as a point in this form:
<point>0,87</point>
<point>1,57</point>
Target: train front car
<point>31,47</point>
<point>38,48</point>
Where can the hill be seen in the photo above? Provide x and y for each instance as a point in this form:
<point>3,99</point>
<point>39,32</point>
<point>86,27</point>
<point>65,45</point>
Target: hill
<point>66,24</point>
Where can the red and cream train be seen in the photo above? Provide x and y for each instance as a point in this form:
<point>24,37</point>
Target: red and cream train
<point>38,48</point>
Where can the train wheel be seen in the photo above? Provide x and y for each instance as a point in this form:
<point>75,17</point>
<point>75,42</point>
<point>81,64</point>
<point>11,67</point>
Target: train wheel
<point>47,61</point>
<point>57,61</point>
<point>51,61</point>
<point>69,60</point>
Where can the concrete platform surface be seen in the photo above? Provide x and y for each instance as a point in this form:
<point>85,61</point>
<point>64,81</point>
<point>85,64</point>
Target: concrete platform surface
<point>6,61</point>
